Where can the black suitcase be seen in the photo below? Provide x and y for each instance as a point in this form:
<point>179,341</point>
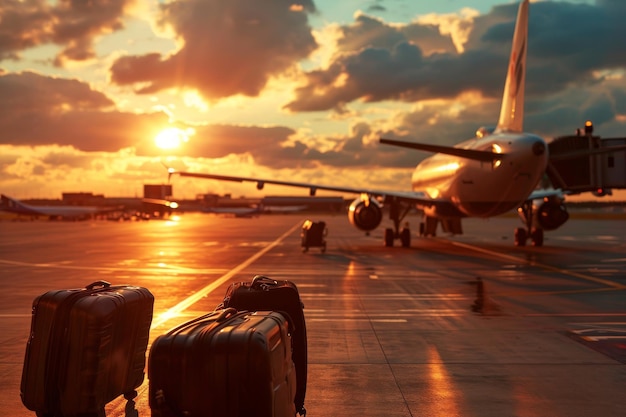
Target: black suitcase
<point>87,346</point>
<point>264,293</point>
<point>224,364</point>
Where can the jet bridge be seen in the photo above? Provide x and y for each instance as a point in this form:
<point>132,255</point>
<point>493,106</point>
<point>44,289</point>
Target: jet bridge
<point>590,165</point>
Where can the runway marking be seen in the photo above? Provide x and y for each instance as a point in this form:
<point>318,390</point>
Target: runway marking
<point>310,312</point>
<point>574,315</point>
<point>599,338</point>
<point>360,320</point>
<point>421,313</point>
<point>413,297</point>
<point>544,293</point>
<point>614,260</point>
<point>198,295</point>
<point>159,268</point>
<point>611,284</point>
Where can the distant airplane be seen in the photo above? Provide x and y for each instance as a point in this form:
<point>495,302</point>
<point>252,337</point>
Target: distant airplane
<point>488,175</point>
<point>253,211</point>
<point>13,205</point>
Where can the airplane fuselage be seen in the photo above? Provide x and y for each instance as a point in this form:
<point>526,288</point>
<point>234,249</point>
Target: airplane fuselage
<point>12,205</point>
<point>479,188</point>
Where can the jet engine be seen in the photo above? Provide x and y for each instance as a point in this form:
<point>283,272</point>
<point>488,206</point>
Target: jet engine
<point>365,213</point>
<point>549,214</point>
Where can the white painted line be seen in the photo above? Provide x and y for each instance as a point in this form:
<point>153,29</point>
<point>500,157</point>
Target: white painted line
<point>157,269</point>
<point>574,315</point>
<point>360,320</point>
<point>599,338</point>
<point>608,283</point>
<point>198,295</point>
<point>363,315</point>
<point>416,297</point>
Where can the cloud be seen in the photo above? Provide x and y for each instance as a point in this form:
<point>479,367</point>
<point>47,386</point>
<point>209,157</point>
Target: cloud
<point>48,170</point>
<point>37,110</point>
<point>72,24</point>
<point>372,32</point>
<point>228,48</point>
<point>567,43</point>
<point>419,85</point>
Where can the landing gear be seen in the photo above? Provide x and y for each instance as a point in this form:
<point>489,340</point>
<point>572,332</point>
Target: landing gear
<point>397,213</point>
<point>536,236</point>
<point>534,233</point>
<point>520,236</point>
<point>389,238</point>
<point>405,237</point>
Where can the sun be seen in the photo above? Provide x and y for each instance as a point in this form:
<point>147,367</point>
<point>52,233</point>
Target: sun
<point>172,137</point>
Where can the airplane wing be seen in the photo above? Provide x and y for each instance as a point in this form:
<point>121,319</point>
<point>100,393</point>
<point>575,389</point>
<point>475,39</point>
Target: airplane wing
<point>420,198</point>
<point>408,196</point>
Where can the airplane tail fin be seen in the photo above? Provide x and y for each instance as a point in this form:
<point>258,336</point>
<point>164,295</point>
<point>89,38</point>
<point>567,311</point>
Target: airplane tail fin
<point>512,110</point>
<point>15,206</point>
<point>4,201</point>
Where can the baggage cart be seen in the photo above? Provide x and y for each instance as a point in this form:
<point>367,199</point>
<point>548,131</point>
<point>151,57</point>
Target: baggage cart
<point>313,235</point>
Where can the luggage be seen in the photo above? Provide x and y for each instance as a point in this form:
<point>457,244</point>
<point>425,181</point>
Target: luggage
<point>264,293</point>
<point>86,347</point>
<point>223,364</point>
<point>313,234</point>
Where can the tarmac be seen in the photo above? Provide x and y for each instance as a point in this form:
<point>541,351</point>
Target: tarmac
<point>453,326</point>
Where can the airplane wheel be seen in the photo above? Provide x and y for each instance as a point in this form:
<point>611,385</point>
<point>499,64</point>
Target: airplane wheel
<point>536,236</point>
<point>405,238</point>
<point>520,236</point>
<point>388,238</point>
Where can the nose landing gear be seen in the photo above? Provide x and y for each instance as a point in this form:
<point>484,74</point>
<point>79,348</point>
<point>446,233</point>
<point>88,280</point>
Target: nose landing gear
<point>522,234</point>
<point>397,213</point>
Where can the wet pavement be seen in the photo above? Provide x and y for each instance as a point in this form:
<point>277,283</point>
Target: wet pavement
<point>391,331</point>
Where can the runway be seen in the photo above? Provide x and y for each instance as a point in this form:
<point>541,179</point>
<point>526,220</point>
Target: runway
<point>391,331</point>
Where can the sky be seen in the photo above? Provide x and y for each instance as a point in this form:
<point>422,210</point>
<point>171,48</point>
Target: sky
<point>99,96</point>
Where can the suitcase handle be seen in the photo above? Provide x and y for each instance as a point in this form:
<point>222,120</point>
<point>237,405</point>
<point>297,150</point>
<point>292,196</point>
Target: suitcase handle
<point>226,313</point>
<point>223,315</point>
<point>261,281</point>
<point>103,284</point>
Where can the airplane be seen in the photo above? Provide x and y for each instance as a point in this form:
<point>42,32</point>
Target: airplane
<point>20,208</point>
<point>13,205</point>
<point>253,211</point>
<point>491,174</point>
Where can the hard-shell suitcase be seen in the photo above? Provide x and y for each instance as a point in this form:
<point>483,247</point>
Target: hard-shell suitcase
<point>87,346</point>
<point>226,364</point>
<point>264,293</point>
